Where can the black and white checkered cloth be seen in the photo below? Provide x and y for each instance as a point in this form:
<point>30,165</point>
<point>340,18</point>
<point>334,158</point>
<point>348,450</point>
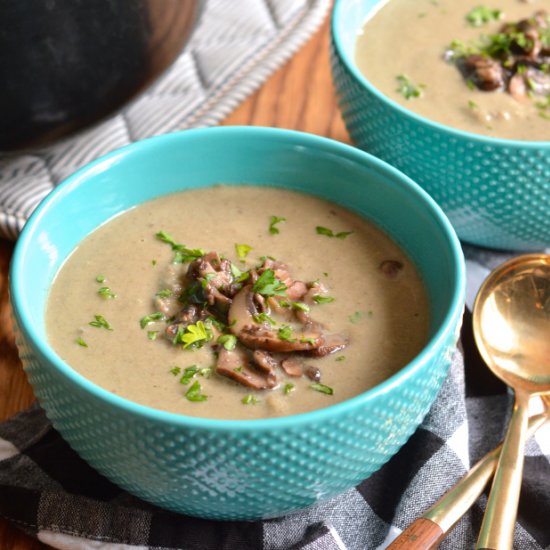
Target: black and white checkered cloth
<point>49,492</point>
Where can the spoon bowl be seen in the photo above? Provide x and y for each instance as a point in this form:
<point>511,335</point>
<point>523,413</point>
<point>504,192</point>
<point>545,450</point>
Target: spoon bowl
<point>511,322</point>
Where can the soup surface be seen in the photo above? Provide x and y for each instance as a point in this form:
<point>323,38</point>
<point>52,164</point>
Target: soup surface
<point>417,52</point>
<point>115,305</point>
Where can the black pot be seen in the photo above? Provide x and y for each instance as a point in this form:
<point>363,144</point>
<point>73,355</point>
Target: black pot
<point>66,64</point>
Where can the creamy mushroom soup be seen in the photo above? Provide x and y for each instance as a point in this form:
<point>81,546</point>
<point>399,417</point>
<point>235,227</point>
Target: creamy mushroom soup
<point>237,302</point>
<point>480,67</point>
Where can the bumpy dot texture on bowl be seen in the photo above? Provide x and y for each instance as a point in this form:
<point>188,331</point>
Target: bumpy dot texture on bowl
<point>201,472</point>
<point>495,193</point>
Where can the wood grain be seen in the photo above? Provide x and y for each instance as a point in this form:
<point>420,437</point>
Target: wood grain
<point>299,96</point>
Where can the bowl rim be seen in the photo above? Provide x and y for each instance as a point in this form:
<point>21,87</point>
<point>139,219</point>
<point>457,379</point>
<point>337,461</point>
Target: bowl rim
<point>337,11</point>
<point>45,351</point>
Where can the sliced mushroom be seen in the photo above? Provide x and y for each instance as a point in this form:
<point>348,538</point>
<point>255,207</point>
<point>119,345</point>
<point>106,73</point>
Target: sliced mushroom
<point>292,366</point>
<point>235,364</point>
<point>391,268</point>
<point>486,73</point>
<point>331,344</point>
<point>262,337</point>
<point>313,373</point>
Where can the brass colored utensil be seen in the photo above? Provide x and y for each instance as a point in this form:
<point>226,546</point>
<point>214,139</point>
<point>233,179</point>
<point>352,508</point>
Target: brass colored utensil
<point>429,530</point>
<point>511,321</point>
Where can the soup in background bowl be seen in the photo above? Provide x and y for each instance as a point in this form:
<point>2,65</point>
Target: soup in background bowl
<point>494,188</point>
<point>220,468</point>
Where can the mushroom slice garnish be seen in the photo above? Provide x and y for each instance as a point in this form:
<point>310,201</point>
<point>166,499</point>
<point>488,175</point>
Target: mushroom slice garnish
<point>292,366</point>
<point>235,364</point>
<point>331,344</point>
<point>261,337</point>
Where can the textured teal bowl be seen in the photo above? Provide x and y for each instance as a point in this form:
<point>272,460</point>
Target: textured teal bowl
<point>496,192</point>
<point>221,468</point>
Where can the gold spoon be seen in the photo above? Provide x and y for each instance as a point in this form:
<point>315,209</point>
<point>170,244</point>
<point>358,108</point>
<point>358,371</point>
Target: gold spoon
<point>427,531</point>
<point>511,321</point>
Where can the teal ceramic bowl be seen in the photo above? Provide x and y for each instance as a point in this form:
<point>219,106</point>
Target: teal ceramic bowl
<point>496,192</point>
<point>228,469</point>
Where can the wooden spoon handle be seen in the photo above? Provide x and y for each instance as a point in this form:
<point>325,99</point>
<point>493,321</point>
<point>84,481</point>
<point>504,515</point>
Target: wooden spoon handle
<point>422,534</point>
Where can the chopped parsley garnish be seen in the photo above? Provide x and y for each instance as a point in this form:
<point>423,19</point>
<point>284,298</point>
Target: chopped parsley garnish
<point>194,336</point>
<point>194,392</point>
<point>322,388</point>
<point>274,221</point>
<point>188,374</point>
<point>238,369</point>
<point>340,358</point>
<point>206,372</point>
<point>239,275</point>
<point>288,388</point>
<point>285,333</point>
<point>106,292</point>
<point>472,105</point>
<point>164,293</point>
<point>305,340</point>
<point>100,322</point>
<point>175,370</point>
<point>100,279</point>
<point>81,342</point>
<point>263,318</point>
<point>268,285</point>
<point>249,399</point>
<point>482,15</point>
<point>407,89</point>
<point>154,317</point>
<point>318,299</point>
<point>182,253</point>
<point>228,341</point>
<point>242,250</point>
<point>300,306</point>
<point>153,263</point>
<point>359,316</point>
<point>330,233</point>
<point>152,334</point>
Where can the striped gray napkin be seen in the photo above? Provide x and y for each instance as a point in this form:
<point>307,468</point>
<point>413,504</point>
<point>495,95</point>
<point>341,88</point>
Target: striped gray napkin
<point>236,46</point>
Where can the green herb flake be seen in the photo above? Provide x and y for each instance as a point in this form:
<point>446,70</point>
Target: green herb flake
<point>188,374</point>
<point>481,15</point>
<point>100,279</point>
<point>100,322</point>
<point>472,105</point>
<point>358,316</point>
<point>106,292</point>
<point>206,372</point>
<point>81,342</point>
<point>320,230</point>
<point>300,306</point>
<point>194,392</point>
<point>407,89</point>
<point>228,341</point>
<point>242,250</point>
<point>153,263</point>
<point>175,370</point>
<point>285,333</point>
<point>321,388</point>
<point>273,222</point>
<point>249,399</point>
<point>340,358</point>
<point>288,388</point>
<point>238,369</point>
<point>153,318</point>
<point>164,293</point>
<point>182,253</point>
<point>318,299</point>
<point>194,336</point>
<point>152,334</point>
<point>263,318</point>
<point>305,340</point>
<point>268,285</point>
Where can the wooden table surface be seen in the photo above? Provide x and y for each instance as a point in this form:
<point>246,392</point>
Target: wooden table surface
<point>299,96</point>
